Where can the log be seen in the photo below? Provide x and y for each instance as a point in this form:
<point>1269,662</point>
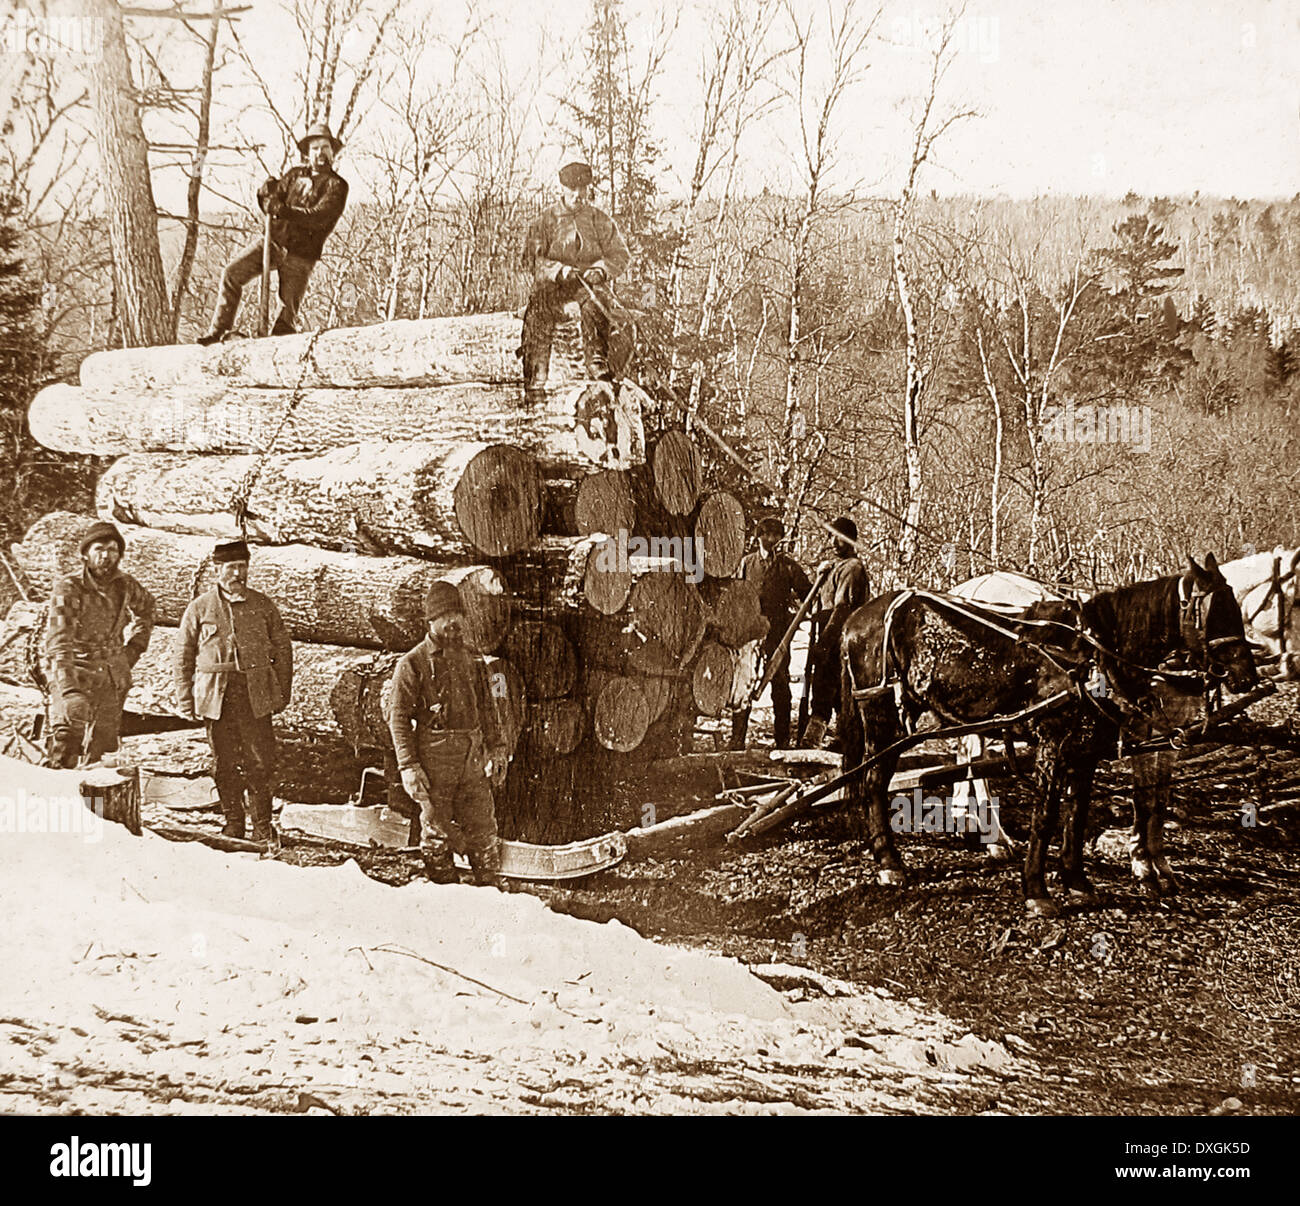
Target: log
<point>720,535</point>
<point>434,351</point>
<point>604,504</point>
<point>411,497</point>
<point>711,680</point>
<point>317,669</point>
<point>735,618</point>
<point>325,597</point>
<point>621,715</point>
<point>574,426</point>
<point>544,658</point>
<point>658,690</point>
<point>557,726</point>
<point>666,608</point>
<point>42,800</point>
<point>677,472</point>
<point>685,834</point>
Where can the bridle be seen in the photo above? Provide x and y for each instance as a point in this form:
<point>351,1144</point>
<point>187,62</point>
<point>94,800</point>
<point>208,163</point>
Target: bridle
<point>1194,607</point>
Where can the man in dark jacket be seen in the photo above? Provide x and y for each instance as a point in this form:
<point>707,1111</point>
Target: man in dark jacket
<point>844,589</point>
<point>573,252</point>
<point>89,650</point>
<point>448,746</point>
<point>304,205</point>
<point>782,586</point>
<point>233,669</point>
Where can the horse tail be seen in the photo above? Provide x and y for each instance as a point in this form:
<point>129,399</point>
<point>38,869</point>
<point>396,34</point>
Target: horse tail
<point>852,735</point>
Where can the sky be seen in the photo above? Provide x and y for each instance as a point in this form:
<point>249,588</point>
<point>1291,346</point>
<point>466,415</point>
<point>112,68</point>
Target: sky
<point>1161,97</point>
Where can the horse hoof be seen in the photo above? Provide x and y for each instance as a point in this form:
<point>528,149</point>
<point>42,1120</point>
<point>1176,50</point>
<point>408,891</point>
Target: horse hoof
<point>892,879</point>
<point>1042,906</point>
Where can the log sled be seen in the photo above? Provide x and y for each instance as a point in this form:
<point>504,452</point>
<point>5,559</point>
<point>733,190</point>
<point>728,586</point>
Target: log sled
<point>364,463</point>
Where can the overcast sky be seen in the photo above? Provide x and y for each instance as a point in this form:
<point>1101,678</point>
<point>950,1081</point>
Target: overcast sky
<point>1075,96</point>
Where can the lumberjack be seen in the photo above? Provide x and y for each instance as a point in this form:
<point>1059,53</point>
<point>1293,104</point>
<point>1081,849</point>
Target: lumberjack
<point>444,730</point>
<point>303,207</point>
<point>573,252</point>
<point>89,650</point>
<point>233,668</point>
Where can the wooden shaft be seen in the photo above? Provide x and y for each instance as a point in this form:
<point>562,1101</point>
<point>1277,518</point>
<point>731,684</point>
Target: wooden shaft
<point>780,651</point>
<point>264,319</point>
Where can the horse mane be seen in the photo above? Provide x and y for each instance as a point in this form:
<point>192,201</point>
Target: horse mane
<point>1138,623</point>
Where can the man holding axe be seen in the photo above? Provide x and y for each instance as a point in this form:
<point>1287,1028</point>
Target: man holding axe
<point>301,208</point>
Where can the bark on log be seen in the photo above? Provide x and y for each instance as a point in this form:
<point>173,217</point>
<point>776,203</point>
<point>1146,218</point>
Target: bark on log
<point>605,503</point>
<point>317,670</point>
<point>677,472</point>
<point>573,427</point>
<point>544,657</point>
<point>433,351</point>
<point>325,597</point>
<point>411,497</point>
<point>685,834</point>
<point>720,535</point>
<point>621,715</point>
<point>666,608</point>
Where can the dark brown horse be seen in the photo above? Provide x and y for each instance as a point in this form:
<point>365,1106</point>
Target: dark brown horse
<point>912,661</point>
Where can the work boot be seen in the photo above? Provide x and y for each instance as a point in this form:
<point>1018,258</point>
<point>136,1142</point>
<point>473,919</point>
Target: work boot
<point>259,806</point>
<point>438,865</point>
<point>739,726</point>
<point>232,809</point>
<point>814,734</point>
<point>486,866</point>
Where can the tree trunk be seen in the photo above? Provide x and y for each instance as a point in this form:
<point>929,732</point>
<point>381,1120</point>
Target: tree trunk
<point>605,504</point>
<point>325,597</point>
<point>711,679</point>
<point>666,608</point>
<point>127,186</point>
<point>907,540</point>
<point>410,497</point>
<point>544,657</point>
<point>575,428</point>
<point>433,351</point>
<point>621,715</point>
<point>556,726</point>
<point>735,617</point>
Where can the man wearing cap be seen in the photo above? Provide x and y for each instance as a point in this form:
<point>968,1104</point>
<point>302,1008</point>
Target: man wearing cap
<point>845,588</point>
<point>97,626</point>
<point>445,735</point>
<point>304,205</point>
<point>233,669</point>
<point>573,251</point>
<point>782,586</point>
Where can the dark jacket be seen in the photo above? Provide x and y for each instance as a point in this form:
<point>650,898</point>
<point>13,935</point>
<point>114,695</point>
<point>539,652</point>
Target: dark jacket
<point>218,638</point>
<point>846,588</point>
<point>311,205</point>
<point>782,586</point>
<point>437,691</point>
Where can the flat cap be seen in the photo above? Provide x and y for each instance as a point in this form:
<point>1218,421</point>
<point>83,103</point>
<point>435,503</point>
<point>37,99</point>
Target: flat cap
<point>230,550</point>
<point>441,598</point>
<point>575,175</point>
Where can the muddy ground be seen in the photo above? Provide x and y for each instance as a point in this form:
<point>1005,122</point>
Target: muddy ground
<point>1181,1006</point>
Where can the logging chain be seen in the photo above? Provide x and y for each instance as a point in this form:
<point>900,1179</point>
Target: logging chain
<point>243,491</point>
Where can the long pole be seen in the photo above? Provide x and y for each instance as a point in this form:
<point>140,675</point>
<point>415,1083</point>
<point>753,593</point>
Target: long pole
<point>780,651</point>
<point>264,318</point>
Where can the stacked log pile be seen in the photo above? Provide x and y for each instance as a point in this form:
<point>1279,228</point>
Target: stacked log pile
<point>365,463</point>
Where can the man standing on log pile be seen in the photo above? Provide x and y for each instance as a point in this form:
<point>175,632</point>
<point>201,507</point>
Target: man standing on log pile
<point>845,588</point>
<point>233,668</point>
<point>444,730</point>
<point>303,205</point>
<point>573,252</point>
<point>782,586</point>
<point>89,650</point>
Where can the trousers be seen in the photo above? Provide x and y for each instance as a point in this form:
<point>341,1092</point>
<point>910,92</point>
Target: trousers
<point>545,309</point>
<point>780,688</point>
<point>244,757</point>
<point>459,812</point>
<point>90,705</point>
<point>292,274</point>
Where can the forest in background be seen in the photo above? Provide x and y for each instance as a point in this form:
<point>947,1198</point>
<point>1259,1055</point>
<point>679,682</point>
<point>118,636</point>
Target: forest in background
<point>1083,388</point>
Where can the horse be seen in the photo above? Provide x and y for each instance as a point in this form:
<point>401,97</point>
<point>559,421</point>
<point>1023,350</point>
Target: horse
<point>1270,619</point>
<point>910,658</point>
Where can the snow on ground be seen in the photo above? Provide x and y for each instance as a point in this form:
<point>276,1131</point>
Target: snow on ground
<point>139,975</point>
